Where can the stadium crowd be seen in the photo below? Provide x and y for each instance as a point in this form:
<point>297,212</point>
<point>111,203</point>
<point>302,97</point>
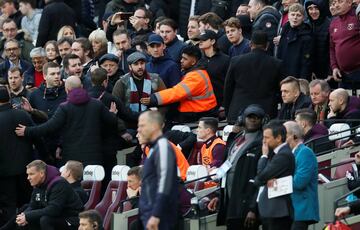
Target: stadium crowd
<point>81,80</point>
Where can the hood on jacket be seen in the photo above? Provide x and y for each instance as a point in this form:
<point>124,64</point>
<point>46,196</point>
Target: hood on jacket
<point>269,10</point>
<point>318,130</point>
<point>78,96</point>
<point>51,173</point>
<point>321,6</point>
<point>163,58</point>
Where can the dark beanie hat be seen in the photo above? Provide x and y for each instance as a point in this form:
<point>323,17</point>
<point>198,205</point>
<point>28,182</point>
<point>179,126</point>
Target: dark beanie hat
<point>4,94</point>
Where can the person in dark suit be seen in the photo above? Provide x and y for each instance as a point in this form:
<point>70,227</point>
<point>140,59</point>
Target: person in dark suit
<point>238,199</point>
<point>305,181</point>
<point>276,161</point>
<point>253,78</point>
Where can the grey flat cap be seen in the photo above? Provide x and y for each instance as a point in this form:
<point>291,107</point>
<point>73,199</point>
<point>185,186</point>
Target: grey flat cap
<point>136,56</point>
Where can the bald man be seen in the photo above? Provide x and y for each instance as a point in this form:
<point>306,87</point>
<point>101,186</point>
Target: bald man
<point>80,121</point>
<point>342,106</point>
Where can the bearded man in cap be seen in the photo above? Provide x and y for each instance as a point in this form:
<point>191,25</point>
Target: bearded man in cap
<point>137,84</point>
<point>238,197</point>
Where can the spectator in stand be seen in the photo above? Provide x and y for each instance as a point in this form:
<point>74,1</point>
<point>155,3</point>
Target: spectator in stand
<point>54,204</point>
<point>194,93</point>
<point>212,152</point>
<point>114,6</point>
<point>90,220</point>
<point>30,21</point>
<point>15,154</point>
<point>168,31</point>
<point>293,99</point>
<point>122,42</point>
<point>98,42</point>
<point>9,10</point>
<point>265,18</point>
<point>305,181</point>
<point>345,45</point>
<point>64,47</point>
<point>341,107</point>
<point>161,63</point>
<point>140,21</point>
<point>52,51</point>
<point>159,176</point>
<point>10,31</point>
<point>110,63</point>
<point>193,30</point>
<point>317,14</point>
<point>240,45</point>
<point>238,199</point>
<point>319,94</point>
<point>54,15</point>
<point>245,83</point>
<point>211,21</point>
<point>73,67</point>
<point>16,87</point>
<point>87,146</point>
<point>12,53</point>
<point>137,82</point>
<point>73,172</point>
<point>306,119</point>
<point>242,10</point>
<point>217,63</point>
<point>66,31</point>
<point>83,49</point>
<point>34,75</point>
<point>296,44</point>
<point>277,161</point>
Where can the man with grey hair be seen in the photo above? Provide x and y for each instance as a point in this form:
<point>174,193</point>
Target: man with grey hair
<point>305,195</point>
<point>12,58</point>
<point>81,122</point>
<point>319,94</point>
<point>34,75</point>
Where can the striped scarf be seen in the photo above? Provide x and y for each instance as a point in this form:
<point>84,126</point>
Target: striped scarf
<point>135,96</point>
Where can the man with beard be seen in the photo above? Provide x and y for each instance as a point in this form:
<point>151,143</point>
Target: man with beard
<point>238,199</point>
<point>137,84</point>
<point>194,93</point>
<point>73,67</point>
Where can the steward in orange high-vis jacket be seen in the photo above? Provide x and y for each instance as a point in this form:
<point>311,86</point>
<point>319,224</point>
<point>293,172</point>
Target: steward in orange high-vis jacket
<point>194,93</point>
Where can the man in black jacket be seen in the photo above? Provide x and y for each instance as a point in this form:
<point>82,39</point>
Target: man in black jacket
<point>253,78</point>
<point>55,15</point>
<point>238,197</point>
<point>15,153</point>
<point>80,121</point>
<point>54,204</point>
<point>277,161</point>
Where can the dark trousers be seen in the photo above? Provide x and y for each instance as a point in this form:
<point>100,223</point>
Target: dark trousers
<point>300,225</point>
<point>282,223</point>
<point>14,193</point>
<point>238,224</point>
<point>51,223</point>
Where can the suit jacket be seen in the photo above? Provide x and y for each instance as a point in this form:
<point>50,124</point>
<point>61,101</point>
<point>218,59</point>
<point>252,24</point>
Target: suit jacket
<point>305,184</point>
<point>252,78</point>
<point>279,165</point>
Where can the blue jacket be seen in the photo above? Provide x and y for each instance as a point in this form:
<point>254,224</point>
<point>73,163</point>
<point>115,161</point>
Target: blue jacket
<point>159,185</point>
<point>168,70</point>
<point>305,196</point>
<point>174,49</point>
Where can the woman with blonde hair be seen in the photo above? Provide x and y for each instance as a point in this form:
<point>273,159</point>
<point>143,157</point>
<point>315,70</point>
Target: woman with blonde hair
<point>66,31</point>
<point>98,42</point>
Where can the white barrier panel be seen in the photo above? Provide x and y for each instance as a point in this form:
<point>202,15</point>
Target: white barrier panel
<point>196,171</point>
<point>119,172</point>
<point>226,132</point>
<point>339,127</point>
<point>94,172</point>
<point>182,128</point>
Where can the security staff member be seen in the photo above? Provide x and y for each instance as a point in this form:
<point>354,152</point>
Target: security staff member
<point>194,93</point>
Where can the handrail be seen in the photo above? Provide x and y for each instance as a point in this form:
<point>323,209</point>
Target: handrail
<point>336,165</point>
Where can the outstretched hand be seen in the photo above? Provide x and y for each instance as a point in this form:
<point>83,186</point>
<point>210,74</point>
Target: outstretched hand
<point>113,108</point>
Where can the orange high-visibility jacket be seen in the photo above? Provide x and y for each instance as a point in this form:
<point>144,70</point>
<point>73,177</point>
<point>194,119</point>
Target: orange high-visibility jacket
<point>181,161</point>
<point>194,93</point>
<point>206,153</point>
